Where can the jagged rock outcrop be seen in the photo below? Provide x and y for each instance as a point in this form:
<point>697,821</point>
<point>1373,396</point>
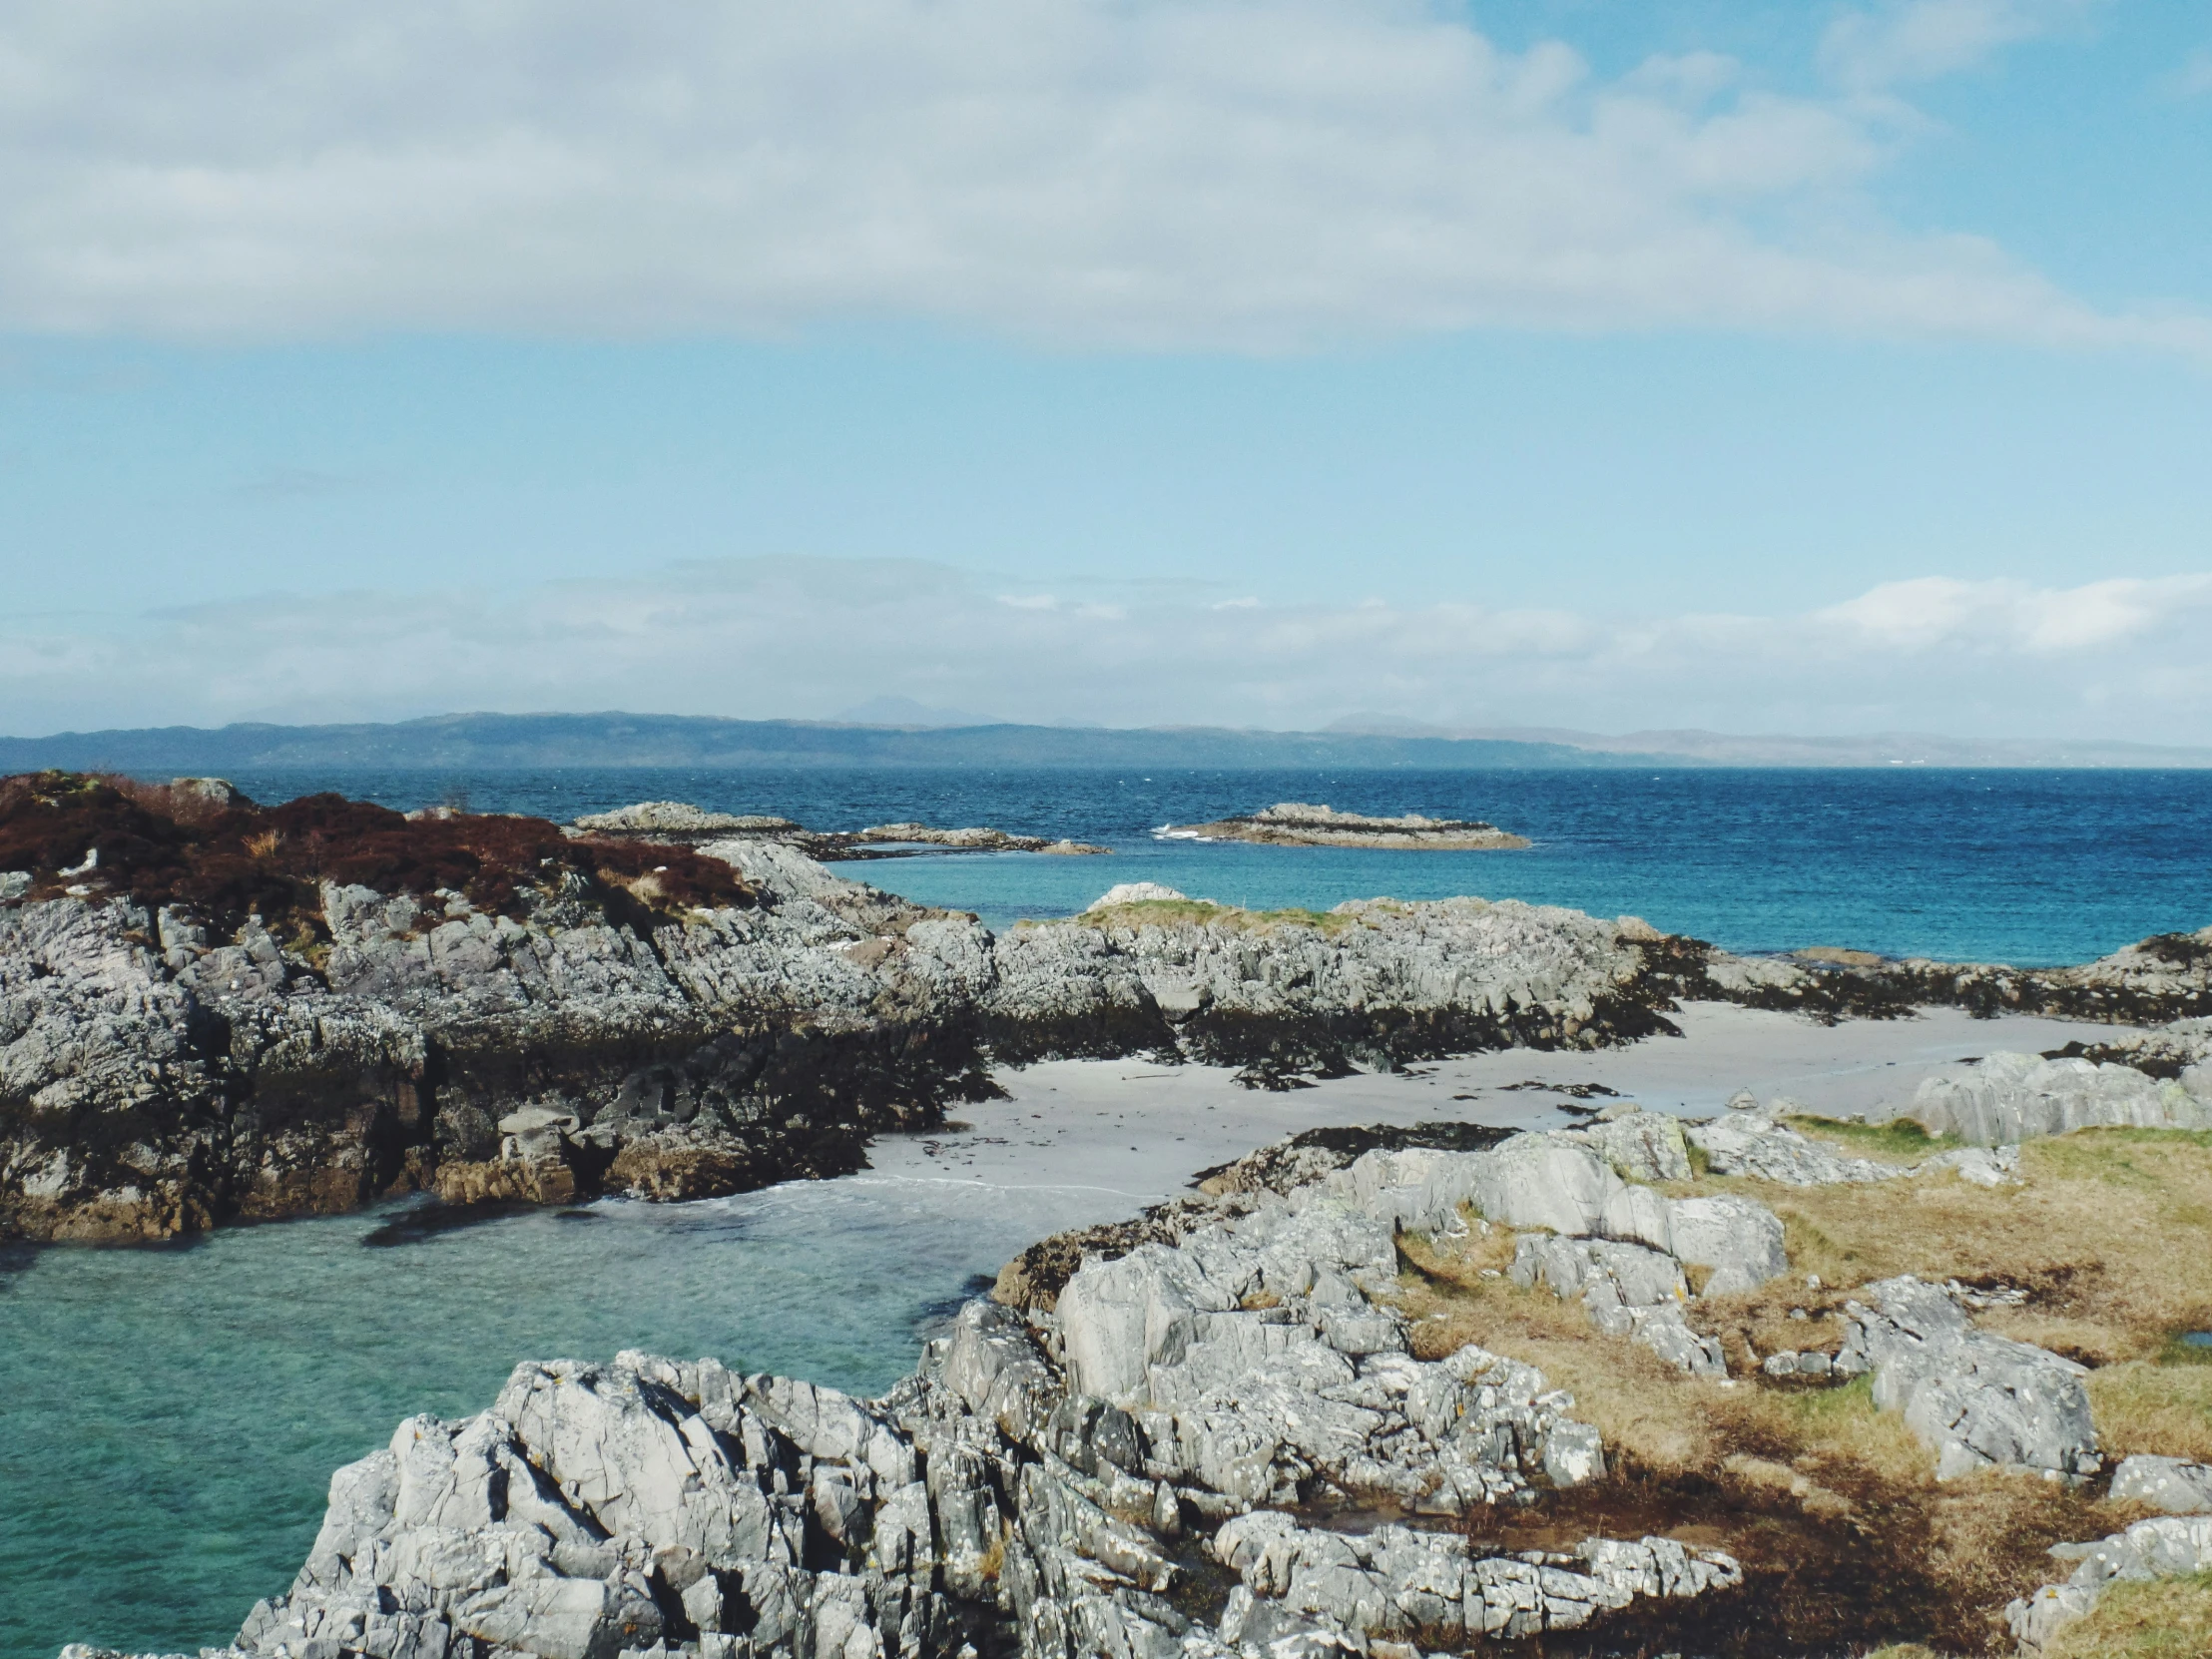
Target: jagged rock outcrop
<point>1751,1140</point>
<point>2168,1547</point>
<point>677,823</point>
<point>223,1016</point>
<point>2167,977</point>
<point>1048,1483</point>
<point>1975,1398</point>
<point>2006,1098</point>
<point>1435,1591</point>
<point>1629,1291</point>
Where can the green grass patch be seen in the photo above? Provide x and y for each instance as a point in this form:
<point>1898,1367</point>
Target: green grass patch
<point>1833,1409</point>
<point>2134,1158</point>
<point>2180,1352</point>
<point>1899,1138</point>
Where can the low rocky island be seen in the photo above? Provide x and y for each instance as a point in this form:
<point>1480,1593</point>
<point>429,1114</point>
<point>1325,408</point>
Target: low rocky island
<point>677,823</point>
<point>1297,823</point>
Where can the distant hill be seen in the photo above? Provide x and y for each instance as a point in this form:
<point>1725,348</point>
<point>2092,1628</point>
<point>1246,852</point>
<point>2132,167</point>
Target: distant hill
<point>1881,748</point>
<point>482,742</point>
<point>498,742</point>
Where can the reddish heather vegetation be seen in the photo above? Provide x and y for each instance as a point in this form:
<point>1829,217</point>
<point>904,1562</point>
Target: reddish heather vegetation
<point>226,860</point>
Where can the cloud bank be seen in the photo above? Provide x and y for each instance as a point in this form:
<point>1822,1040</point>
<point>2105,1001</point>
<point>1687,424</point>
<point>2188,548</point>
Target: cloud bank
<point>806,638</point>
<point>1215,173</point>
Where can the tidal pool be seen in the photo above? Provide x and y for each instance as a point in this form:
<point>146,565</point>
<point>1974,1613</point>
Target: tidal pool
<point>172,1416</point>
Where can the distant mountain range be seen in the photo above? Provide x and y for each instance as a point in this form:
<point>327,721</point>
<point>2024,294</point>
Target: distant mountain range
<point>501,741</point>
<point>1726,749</point>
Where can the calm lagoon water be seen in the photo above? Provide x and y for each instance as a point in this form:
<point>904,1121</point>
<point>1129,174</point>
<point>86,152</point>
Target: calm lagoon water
<point>171,1416</point>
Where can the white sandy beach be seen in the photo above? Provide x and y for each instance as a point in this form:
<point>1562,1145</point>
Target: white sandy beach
<point>1115,1135</point>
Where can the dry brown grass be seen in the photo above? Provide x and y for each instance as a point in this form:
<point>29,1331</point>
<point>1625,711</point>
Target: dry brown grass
<point>2107,1235</point>
<point>2161,1408</point>
<point>2171,1619</point>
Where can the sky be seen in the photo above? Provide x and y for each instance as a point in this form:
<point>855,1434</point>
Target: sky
<point>1769,368</point>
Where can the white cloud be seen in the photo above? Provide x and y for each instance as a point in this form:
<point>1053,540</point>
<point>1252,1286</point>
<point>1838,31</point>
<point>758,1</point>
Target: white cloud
<point>1919,40</point>
<point>2195,78</point>
<point>804,638</point>
<point>1241,174</point>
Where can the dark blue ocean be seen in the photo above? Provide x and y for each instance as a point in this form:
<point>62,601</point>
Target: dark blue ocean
<point>2029,868</point>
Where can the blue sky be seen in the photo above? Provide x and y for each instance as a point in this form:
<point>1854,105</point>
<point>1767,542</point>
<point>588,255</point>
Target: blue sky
<point>1766,367</point>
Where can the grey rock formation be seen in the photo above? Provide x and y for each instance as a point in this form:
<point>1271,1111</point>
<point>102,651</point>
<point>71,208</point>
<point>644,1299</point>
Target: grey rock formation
<point>1255,1342</point>
<point>1756,1143</point>
<point>2173,1485</point>
<point>1629,1291</point>
<point>679,817</point>
<point>2169,1547</point>
<point>1983,1165</point>
<point>1433,1589</point>
<point>2006,1098</point>
<point>1976,1399</point>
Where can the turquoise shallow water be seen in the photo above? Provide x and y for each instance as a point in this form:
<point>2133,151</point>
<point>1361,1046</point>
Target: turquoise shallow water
<point>171,1416</point>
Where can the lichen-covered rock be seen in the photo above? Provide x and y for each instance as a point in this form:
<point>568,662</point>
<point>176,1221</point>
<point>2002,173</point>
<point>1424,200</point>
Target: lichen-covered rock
<point>2168,1547</point>
<point>158,1076</point>
<point>1435,1589</point>
<point>1629,1291</point>
<point>1033,1482</point>
<point>2174,1484</point>
<point>1976,1399</point>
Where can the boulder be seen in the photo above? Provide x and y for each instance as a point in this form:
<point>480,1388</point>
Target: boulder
<point>1753,1143</point>
<point>1976,1399</point>
<point>1396,1586</point>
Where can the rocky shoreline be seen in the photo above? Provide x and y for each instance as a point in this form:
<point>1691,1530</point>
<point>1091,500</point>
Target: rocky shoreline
<point>209,1011</point>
